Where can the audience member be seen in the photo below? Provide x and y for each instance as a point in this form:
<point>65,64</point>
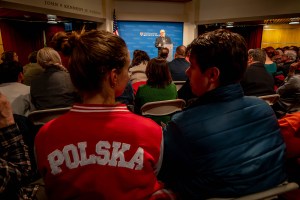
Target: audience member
<point>270,66</point>
<point>163,53</point>
<point>18,94</point>
<point>137,72</point>
<point>159,87</point>
<point>290,129</point>
<point>14,161</point>
<point>288,57</point>
<point>53,88</point>
<point>32,69</point>
<point>9,56</point>
<point>289,92</point>
<point>179,65</point>
<point>103,151</point>
<point>257,81</point>
<point>225,143</point>
<point>58,43</point>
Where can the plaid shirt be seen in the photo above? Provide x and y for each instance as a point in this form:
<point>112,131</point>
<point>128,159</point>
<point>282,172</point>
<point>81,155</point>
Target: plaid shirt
<point>14,161</point>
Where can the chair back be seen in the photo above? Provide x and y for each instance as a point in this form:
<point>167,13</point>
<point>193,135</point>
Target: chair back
<point>161,108</point>
<point>178,84</point>
<point>270,99</point>
<point>40,117</point>
<point>269,194</point>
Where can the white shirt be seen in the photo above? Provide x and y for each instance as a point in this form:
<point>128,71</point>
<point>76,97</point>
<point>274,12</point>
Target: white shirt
<point>18,95</point>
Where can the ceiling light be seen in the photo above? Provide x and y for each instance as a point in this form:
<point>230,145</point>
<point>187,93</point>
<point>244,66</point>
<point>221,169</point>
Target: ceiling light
<point>229,24</point>
<point>51,19</point>
<point>294,21</point>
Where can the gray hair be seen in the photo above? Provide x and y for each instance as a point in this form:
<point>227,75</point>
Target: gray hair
<point>291,54</point>
<point>48,57</point>
<point>258,55</point>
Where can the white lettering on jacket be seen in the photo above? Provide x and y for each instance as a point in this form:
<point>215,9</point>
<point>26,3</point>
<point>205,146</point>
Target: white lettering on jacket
<point>106,154</point>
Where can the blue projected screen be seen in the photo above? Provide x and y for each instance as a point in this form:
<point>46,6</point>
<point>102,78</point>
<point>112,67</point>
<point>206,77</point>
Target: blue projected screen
<point>141,35</point>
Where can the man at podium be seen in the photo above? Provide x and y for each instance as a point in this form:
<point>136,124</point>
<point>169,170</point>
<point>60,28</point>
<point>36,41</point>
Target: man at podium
<point>162,40</point>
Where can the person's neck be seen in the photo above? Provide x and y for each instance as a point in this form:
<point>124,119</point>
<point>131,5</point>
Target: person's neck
<point>99,98</point>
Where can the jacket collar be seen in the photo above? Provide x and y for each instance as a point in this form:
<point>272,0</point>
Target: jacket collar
<point>220,94</point>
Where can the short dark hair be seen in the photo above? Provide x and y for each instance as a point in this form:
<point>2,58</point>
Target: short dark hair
<point>139,57</point>
<point>258,55</point>
<point>92,55</point>
<point>32,57</point>
<point>181,50</point>
<point>158,73</point>
<point>7,56</point>
<point>163,53</point>
<point>222,49</point>
<point>9,71</point>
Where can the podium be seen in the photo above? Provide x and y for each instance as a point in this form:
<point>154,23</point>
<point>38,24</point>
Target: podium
<point>170,47</point>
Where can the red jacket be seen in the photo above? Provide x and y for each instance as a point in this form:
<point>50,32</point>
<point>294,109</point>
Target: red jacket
<point>290,129</point>
<point>99,152</point>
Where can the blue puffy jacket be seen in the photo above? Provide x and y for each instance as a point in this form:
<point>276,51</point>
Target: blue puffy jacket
<point>224,145</point>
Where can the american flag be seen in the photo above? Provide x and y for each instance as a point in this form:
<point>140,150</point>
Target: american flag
<point>115,25</point>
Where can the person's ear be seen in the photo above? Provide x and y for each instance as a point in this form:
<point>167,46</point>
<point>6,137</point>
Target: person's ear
<point>213,74</point>
<point>113,78</point>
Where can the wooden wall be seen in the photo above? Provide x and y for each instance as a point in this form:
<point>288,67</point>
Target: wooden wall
<point>1,45</point>
<point>281,35</point>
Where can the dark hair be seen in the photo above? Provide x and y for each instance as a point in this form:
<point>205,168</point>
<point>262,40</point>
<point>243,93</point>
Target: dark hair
<point>92,55</point>
<point>270,51</point>
<point>181,50</point>
<point>9,71</point>
<point>158,73</point>
<point>32,57</point>
<point>7,56</point>
<point>258,55</point>
<point>163,53</point>
<point>222,49</point>
<point>59,42</point>
<point>139,57</point>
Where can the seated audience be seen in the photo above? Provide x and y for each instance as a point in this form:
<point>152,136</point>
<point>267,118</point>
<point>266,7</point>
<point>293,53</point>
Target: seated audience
<point>137,72</point>
<point>159,87</point>
<point>104,151</point>
<point>53,88</point>
<point>289,92</point>
<point>58,43</point>
<point>288,57</point>
<point>179,65</point>
<point>14,161</point>
<point>225,144</point>
<point>18,94</point>
<point>32,69</point>
<point>290,129</point>
<point>9,56</point>
<point>257,81</point>
<point>270,66</point>
<point>163,53</point>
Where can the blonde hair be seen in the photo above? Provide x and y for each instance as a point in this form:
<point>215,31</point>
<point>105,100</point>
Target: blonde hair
<point>48,57</point>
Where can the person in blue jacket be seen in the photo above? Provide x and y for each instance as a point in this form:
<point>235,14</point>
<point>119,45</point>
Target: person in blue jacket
<point>224,144</point>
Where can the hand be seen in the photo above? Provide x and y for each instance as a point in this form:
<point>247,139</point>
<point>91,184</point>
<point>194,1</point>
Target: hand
<point>6,115</point>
